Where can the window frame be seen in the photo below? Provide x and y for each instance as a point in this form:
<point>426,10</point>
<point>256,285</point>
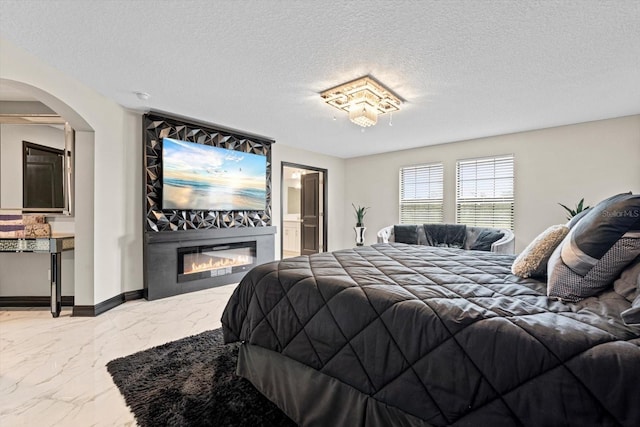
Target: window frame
<point>487,219</point>
<point>429,168</point>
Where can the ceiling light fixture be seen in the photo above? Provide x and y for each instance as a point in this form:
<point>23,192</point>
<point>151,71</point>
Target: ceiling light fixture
<point>364,99</point>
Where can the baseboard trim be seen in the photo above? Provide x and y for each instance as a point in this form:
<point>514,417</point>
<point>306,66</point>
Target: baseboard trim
<point>33,301</point>
<point>106,305</point>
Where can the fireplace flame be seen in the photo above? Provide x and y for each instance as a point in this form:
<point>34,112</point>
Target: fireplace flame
<point>219,263</point>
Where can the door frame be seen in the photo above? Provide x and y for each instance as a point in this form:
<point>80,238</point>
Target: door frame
<point>324,204</point>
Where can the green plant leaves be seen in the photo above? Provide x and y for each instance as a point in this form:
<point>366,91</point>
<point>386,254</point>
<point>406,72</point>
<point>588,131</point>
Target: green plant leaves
<point>360,212</point>
<point>579,208</point>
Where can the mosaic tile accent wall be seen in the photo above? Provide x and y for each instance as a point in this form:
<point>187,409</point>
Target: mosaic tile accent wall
<point>156,127</point>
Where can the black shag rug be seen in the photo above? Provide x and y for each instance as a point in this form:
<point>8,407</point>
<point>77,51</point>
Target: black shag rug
<point>192,382</point>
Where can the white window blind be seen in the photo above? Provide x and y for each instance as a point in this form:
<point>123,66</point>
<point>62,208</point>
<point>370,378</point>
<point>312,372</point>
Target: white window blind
<point>421,194</point>
<point>484,195</point>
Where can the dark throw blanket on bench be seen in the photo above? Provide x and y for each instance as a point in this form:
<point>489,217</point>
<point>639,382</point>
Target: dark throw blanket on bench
<point>446,235</point>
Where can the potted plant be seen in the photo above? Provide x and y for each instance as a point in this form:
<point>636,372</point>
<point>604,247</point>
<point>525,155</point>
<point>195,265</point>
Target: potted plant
<point>579,208</point>
<point>360,211</point>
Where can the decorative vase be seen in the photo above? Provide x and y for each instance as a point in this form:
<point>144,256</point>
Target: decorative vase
<point>359,229</point>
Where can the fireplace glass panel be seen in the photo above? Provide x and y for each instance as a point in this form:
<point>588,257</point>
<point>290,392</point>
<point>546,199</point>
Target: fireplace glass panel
<point>218,260</point>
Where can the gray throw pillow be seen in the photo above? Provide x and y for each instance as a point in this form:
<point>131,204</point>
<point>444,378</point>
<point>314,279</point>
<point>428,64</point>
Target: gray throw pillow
<point>627,284</point>
<point>599,229</point>
<point>596,250</point>
<point>485,239</point>
<point>574,219</point>
<point>405,234</point>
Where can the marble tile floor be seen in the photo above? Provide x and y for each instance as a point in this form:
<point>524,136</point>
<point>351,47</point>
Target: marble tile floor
<point>53,373</point>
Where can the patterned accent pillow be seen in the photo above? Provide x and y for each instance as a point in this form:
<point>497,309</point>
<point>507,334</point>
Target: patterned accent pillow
<point>567,285</point>
<point>405,234</point>
<point>533,260</point>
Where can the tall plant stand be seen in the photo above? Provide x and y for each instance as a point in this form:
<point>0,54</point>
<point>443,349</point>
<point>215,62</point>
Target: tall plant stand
<point>359,229</point>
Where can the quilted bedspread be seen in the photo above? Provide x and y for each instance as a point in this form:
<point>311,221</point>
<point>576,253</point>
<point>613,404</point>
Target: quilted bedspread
<point>447,335</point>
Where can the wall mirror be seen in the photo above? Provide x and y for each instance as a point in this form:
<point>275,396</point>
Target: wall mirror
<point>36,159</point>
<point>293,200</point>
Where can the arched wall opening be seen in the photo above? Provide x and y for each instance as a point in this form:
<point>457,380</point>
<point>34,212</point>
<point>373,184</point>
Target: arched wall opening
<point>81,223</point>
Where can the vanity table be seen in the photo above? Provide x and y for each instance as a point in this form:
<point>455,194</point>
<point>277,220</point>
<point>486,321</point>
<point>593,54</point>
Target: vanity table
<point>54,245</point>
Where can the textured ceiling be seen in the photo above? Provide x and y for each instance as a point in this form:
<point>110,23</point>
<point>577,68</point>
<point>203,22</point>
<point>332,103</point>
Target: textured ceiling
<point>467,69</point>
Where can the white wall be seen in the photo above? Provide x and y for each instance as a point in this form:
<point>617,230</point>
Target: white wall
<point>108,224</point>
<point>84,215</point>
<point>335,181</point>
<point>557,165</point>
<point>129,243</point>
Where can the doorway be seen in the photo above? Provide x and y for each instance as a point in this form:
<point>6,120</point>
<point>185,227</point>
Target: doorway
<point>303,222</point>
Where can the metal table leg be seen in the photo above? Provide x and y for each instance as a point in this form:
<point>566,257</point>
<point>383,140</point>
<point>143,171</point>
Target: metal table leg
<point>56,288</point>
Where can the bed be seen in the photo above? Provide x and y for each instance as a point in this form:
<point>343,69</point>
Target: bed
<point>405,335</point>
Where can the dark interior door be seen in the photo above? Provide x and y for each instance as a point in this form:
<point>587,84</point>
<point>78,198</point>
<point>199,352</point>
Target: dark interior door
<point>43,177</point>
<point>310,214</point>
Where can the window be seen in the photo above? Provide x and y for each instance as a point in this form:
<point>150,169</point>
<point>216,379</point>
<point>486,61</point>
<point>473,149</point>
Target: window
<point>421,194</point>
<point>484,195</point>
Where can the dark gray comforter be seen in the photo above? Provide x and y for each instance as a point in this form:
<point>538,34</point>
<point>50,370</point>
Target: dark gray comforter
<point>447,335</point>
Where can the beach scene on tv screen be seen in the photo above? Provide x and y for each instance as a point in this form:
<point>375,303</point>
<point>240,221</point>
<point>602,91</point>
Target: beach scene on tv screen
<point>202,177</point>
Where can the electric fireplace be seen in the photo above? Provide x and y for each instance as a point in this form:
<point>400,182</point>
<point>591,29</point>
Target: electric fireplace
<point>191,260</point>
<point>200,262</point>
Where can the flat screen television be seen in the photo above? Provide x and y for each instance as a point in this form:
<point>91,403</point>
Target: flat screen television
<point>202,177</point>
